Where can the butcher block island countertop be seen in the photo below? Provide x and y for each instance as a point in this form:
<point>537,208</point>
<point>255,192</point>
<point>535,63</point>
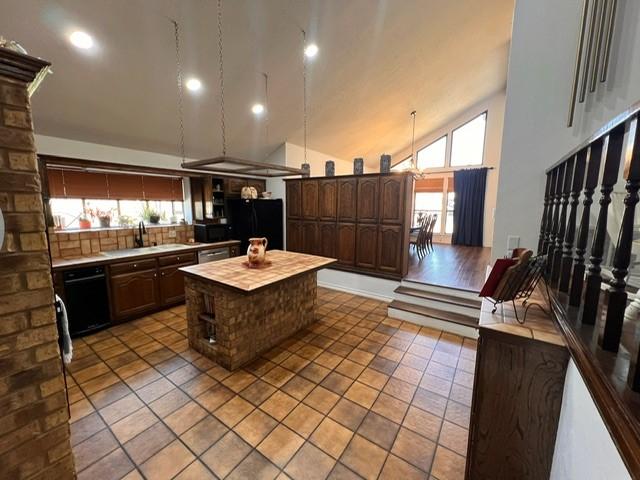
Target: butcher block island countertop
<point>235,313</point>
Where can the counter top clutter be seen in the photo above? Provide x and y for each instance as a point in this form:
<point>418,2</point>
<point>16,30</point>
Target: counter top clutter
<point>112,256</point>
<point>234,313</point>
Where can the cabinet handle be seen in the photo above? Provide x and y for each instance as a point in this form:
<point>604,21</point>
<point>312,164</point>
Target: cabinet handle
<point>135,265</point>
<point>162,274</point>
<point>155,275</point>
<point>177,258</point>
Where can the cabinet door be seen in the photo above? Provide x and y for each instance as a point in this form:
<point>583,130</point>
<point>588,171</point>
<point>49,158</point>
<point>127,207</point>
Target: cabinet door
<point>366,243</point>
<point>328,200</point>
<point>259,185</point>
<point>294,199</point>
<point>207,192</point>
<point>392,198</point>
<point>197,202</point>
<point>368,199</point>
<point>171,284</point>
<point>390,248</point>
<point>347,189</point>
<point>310,238</point>
<point>327,240</point>
<point>233,186</point>
<point>134,293</point>
<point>294,236</point>
<point>346,243</point>
<point>310,199</point>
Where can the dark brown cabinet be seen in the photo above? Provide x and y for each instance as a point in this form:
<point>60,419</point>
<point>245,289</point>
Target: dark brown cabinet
<point>294,199</point>
<point>327,239</point>
<point>234,186</point>
<point>133,293</point>
<point>310,238</point>
<point>363,221</point>
<point>327,200</point>
<point>310,199</point>
<point>391,209</point>
<point>346,243</point>
<point>171,285</point>
<point>347,195</point>
<point>259,185</point>
<point>366,243</point>
<point>390,248</point>
<point>294,236</point>
<point>367,210</point>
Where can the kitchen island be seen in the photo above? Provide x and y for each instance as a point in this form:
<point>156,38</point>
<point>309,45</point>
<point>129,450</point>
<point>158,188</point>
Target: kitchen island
<point>235,313</point>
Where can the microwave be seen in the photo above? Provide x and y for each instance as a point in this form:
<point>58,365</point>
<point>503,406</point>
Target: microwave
<point>211,232</point>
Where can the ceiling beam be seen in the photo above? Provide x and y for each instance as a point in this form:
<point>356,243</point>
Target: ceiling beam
<point>238,161</point>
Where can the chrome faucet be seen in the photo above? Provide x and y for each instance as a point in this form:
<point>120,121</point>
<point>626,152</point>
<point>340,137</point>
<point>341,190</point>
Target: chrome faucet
<point>139,239</point>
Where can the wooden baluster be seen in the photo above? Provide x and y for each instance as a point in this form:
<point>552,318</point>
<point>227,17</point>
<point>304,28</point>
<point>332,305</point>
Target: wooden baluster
<point>610,339</point>
<point>545,213</point>
<point>562,222</point>
<point>550,211</point>
<point>593,169</point>
<point>609,176</point>
<point>556,214</point>
<point>569,236</point>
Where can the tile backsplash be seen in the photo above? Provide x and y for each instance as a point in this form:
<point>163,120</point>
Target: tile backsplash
<point>90,242</point>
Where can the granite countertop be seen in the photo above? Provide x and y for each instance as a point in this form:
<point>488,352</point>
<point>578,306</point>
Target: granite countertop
<point>233,272</point>
<point>136,253</point>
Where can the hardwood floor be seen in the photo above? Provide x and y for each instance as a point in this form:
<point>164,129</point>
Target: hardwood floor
<point>451,266</point>
<point>355,395</point>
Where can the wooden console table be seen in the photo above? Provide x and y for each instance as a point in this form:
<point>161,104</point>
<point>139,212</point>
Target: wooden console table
<point>250,310</point>
<point>517,394</point>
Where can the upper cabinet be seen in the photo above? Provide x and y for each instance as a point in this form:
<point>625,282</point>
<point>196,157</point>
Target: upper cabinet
<point>310,199</point>
<point>328,200</point>
<point>347,195</point>
<point>294,198</point>
<point>233,186</point>
<point>392,199</point>
<point>368,199</point>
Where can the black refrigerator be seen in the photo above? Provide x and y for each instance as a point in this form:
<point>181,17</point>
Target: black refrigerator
<point>256,218</point>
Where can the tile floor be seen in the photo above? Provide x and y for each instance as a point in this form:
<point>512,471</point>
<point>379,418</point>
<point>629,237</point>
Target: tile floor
<point>356,395</point>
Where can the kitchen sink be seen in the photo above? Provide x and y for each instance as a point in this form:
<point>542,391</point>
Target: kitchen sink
<point>145,250</point>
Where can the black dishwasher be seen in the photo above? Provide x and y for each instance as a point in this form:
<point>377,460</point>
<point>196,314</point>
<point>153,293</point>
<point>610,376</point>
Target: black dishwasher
<point>86,300</point>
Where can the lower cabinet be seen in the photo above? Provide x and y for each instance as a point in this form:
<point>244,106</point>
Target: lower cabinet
<point>390,248</point>
<point>310,238</point>
<point>171,285</point>
<point>366,243</point>
<point>133,293</point>
<point>327,240</point>
<point>294,236</point>
<point>346,243</point>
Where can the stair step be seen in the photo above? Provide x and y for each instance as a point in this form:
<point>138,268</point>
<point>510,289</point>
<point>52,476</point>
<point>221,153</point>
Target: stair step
<point>439,297</point>
<point>443,315</point>
<point>442,289</point>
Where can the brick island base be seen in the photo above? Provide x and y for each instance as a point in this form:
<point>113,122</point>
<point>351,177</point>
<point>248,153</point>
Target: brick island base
<point>247,323</point>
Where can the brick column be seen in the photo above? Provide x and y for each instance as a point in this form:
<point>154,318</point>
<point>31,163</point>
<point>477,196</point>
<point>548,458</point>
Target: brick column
<point>34,419</point>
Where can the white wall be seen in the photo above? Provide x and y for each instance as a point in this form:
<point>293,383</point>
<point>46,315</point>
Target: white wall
<point>541,64</point>
<point>494,106</point>
<point>584,449</point>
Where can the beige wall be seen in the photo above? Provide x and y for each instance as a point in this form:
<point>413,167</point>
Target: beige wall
<point>494,105</point>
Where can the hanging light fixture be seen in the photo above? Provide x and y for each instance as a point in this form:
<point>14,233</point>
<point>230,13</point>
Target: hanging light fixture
<point>413,169</point>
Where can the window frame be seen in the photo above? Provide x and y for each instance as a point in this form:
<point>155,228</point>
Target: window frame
<point>485,113</point>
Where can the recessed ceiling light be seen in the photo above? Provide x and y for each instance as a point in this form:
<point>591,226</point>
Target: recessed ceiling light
<point>257,109</point>
<point>311,50</point>
<point>194,84</point>
<point>81,40</point>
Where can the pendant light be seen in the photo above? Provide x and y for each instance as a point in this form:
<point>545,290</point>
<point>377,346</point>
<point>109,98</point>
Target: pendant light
<point>413,169</point>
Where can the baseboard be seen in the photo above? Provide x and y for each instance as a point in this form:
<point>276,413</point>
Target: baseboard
<point>358,284</point>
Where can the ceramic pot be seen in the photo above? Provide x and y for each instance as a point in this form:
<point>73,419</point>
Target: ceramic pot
<point>385,163</point>
<point>330,168</point>
<point>85,223</point>
<point>358,166</point>
<point>256,253</point>
<point>105,222</point>
<point>155,219</point>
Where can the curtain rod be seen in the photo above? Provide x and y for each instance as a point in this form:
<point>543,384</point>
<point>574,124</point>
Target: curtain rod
<point>455,170</point>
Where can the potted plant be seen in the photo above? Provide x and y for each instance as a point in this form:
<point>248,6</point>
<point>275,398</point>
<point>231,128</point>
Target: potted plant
<point>125,221</point>
<point>104,217</point>
<point>150,215</point>
<point>84,221</point>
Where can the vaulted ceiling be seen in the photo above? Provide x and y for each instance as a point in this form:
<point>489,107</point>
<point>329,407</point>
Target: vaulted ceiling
<point>378,60</point>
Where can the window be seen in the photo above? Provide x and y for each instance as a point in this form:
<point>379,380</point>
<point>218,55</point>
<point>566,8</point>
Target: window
<point>433,155</point>
<point>448,227</point>
<point>67,211</point>
<point>403,165</point>
<point>467,142</point>
<point>427,203</point>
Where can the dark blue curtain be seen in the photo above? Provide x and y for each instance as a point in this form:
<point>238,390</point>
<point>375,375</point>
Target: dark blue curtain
<point>468,210</point>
